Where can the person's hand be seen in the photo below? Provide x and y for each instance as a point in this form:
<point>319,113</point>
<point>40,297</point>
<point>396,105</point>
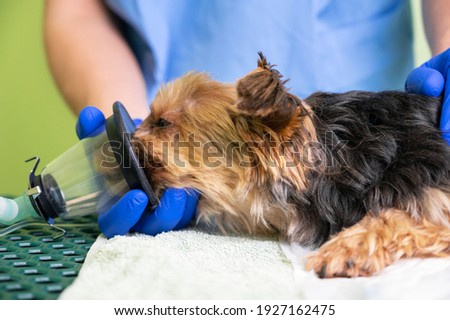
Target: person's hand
<point>433,79</point>
<point>175,210</point>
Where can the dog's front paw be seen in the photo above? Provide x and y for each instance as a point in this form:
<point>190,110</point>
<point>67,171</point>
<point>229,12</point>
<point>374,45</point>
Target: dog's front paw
<point>345,257</point>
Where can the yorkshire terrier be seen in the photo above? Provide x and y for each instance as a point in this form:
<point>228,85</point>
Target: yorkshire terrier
<point>362,175</point>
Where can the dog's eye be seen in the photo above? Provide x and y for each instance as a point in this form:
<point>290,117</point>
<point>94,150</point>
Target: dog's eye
<point>162,123</point>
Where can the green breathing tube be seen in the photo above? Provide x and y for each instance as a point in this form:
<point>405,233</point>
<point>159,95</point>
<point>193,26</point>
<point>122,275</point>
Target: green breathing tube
<point>14,210</point>
<point>19,213</point>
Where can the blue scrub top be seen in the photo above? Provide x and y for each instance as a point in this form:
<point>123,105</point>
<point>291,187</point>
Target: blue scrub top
<point>327,45</point>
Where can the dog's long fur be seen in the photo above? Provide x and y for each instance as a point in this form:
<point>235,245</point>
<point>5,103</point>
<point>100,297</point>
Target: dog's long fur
<point>305,170</point>
<point>389,155</point>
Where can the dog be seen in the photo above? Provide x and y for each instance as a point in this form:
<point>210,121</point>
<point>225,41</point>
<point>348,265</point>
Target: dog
<point>362,176</point>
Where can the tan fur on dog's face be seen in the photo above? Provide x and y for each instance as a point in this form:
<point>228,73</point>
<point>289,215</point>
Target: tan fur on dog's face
<point>193,118</point>
<point>199,135</point>
<point>186,114</point>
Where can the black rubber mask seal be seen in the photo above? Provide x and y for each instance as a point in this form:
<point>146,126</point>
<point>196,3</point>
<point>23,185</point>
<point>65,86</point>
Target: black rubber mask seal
<point>120,129</point>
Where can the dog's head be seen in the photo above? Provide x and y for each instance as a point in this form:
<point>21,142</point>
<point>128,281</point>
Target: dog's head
<point>223,140</point>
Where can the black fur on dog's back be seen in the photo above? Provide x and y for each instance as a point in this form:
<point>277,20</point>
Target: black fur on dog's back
<point>380,150</point>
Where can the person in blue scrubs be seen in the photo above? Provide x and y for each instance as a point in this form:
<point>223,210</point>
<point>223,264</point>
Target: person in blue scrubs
<point>123,50</point>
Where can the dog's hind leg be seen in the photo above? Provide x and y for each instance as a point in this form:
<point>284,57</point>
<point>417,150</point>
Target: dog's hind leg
<point>378,241</point>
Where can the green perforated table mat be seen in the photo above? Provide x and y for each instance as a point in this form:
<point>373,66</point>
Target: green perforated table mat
<point>33,265</point>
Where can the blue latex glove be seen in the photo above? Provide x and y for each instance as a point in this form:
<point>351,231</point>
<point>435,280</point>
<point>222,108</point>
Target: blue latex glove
<point>432,79</point>
<point>175,210</point>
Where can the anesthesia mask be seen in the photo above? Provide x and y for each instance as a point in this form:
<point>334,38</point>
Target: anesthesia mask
<point>88,178</point>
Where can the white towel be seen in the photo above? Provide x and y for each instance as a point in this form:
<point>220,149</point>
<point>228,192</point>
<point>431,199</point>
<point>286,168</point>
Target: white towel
<point>406,279</point>
<point>185,264</point>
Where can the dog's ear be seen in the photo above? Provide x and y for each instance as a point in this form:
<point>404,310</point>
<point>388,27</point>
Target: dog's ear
<point>262,93</point>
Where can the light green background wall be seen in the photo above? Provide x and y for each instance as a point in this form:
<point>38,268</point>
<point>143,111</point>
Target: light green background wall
<point>33,117</point>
